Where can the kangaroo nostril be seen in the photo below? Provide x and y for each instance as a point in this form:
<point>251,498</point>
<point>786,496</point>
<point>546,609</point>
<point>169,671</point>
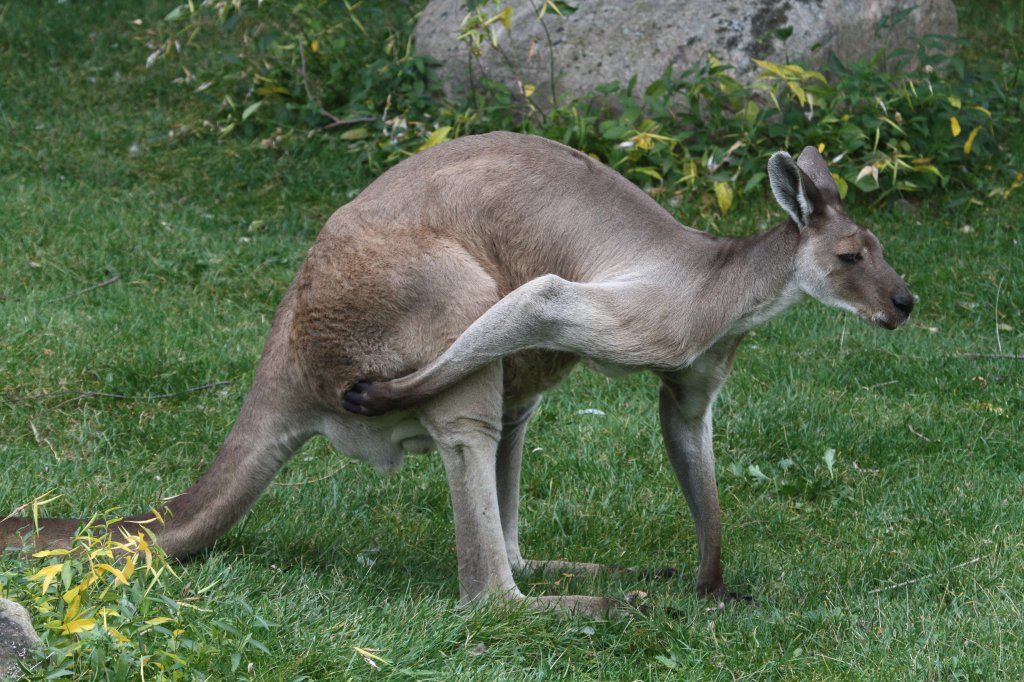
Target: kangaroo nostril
<point>903,302</point>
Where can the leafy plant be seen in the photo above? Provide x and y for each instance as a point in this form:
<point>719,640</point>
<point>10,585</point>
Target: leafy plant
<point>107,612</point>
<point>901,122</point>
<point>294,63</point>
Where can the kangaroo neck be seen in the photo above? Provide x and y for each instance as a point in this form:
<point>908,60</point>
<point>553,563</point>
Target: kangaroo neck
<point>756,275</point>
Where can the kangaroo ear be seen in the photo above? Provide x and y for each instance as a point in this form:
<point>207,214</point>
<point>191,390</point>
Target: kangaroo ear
<point>813,163</point>
<point>793,189</point>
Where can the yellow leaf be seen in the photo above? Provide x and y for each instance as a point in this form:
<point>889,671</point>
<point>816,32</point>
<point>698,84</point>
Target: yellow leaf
<point>116,635</point>
<point>770,67</point>
<point>954,125</point>
<point>954,101</point>
<point>970,140</point>
<point>266,90</point>
<point>76,626</point>
<point>506,17</point>
<point>690,170</point>
<point>821,147</point>
<point>129,568</point>
<point>982,110</point>
<point>529,89</point>
<point>159,621</point>
<point>801,95</point>
<point>314,46</point>
<point>436,138</point>
<point>841,184</point>
<point>73,607</point>
<point>119,578</point>
<point>723,193</point>
<point>81,587</point>
<point>51,552</point>
<point>47,574</point>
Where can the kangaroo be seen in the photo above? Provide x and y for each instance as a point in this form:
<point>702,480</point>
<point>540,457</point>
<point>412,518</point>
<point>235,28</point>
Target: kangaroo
<point>436,308</point>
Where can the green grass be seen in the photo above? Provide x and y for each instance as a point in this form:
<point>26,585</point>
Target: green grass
<point>923,502</point>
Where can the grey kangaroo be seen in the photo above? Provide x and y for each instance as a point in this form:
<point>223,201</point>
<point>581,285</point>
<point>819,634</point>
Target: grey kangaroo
<point>436,308</point>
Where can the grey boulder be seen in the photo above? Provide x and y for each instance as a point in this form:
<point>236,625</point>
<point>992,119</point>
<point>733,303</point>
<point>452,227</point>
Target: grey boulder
<point>607,40</point>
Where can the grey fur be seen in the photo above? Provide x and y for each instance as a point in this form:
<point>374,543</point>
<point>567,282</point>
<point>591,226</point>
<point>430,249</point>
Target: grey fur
<point>490,265</point>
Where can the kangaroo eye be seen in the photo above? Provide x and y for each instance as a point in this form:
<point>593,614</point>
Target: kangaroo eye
<point>850,258</point>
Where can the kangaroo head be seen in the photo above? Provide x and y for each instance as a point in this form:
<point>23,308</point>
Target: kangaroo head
<point>838,262</point>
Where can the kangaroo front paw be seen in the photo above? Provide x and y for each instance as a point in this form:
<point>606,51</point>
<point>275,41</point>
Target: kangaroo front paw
<point>366,398</point>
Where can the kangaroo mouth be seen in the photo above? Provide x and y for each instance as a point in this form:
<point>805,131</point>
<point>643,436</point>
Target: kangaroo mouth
<point>886,321</point>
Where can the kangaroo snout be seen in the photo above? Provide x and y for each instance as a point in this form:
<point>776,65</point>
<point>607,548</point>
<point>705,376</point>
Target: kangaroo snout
<point>904,302</point>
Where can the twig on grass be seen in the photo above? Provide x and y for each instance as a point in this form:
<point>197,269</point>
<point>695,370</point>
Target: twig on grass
<point>905,583</point>
<point>296,484</point>
<point>113,280</point>
<point>918,434</point>
<point>106,283</point>
<point>999,341</point>
<point>83,395</point>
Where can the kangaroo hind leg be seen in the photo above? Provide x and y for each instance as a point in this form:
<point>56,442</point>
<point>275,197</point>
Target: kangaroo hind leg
<point>466,424</point>
<point>593,320</point>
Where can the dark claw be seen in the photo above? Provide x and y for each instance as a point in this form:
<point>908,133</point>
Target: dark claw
<point>746,599</point>
<point>637,600</point>
<point>657,573</point>
<point>730,597</point>
<point>357,400</point>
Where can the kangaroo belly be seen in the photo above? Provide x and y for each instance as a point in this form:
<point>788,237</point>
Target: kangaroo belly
<point>381,443</point>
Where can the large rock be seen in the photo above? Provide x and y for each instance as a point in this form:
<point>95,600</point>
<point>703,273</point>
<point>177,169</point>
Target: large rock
<point>606,40</point>
<point>17,638</point>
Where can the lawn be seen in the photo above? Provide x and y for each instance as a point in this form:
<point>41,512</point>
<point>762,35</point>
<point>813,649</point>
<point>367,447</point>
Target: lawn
<point>138,275</point>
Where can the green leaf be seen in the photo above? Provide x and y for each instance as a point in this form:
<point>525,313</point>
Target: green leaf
<point>251,109</point>
<point>359,133</point>
<point>177,13</point>
<point>753,182</point>
<point>648,171</point>
<point>783,33</point>
<point>559,7</point>
<point>669,663</point>
<point>830,459</point>
<point>755,472</point>
<point>436,138</point>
